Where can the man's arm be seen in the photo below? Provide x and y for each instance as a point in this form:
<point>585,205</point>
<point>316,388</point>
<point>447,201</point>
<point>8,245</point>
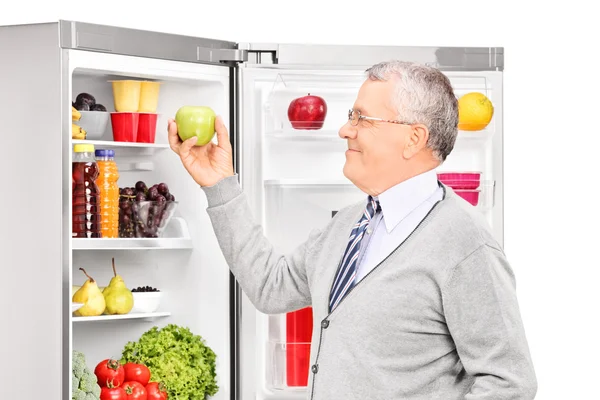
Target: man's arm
<point>275,283</point>
<point>482,314</point>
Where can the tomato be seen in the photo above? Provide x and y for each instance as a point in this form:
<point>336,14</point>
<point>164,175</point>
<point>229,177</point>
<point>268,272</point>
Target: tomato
<point>110,371</point>
<point>113,393</point>
<point>135,390</point>
<point>137,372</point>
<point>156,391</point>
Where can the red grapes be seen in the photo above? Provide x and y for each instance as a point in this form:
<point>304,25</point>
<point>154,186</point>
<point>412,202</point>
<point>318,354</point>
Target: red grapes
<point>143,211</point>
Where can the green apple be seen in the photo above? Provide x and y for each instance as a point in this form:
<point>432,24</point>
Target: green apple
<point>196,121</point>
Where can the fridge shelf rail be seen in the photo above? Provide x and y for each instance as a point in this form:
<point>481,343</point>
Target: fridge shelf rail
<point>130,316</point>
<point>176,237</point>
<point>122,147</point>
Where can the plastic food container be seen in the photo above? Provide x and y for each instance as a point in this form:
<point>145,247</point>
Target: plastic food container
<point>94,123</point>
<point>460,180</point>
<point>149,91</point>
<point>461,184</point>
<point>147,128</point>
<point>472,196</point>
<point>147,219</point>
<point>126,95</point>
<point>299,326</point>
<point>146,302</point>
<point>125,126</point>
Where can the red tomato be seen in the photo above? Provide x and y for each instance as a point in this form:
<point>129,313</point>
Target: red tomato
<point>135,390</point>
<point>110,371</point>
<point>137,372</point>
<point>156,391</point>
<point>114,393</point>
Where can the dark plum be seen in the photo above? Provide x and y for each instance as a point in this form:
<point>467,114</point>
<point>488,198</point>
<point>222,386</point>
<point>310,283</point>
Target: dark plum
<point>171,197</point>
<point>140,196</point>
<point>129,192</point>
<point>85,98</point>
<point>97,107</point>
<point>82,106</point>
<point>153,193</point>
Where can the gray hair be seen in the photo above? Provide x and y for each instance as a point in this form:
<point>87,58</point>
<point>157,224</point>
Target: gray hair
<point>423,95</point>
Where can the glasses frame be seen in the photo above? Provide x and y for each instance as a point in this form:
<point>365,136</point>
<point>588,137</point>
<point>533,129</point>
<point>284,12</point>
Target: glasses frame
<point>352,111</point>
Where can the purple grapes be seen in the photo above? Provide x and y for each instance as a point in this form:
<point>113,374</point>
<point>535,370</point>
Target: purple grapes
<point>143,211</point>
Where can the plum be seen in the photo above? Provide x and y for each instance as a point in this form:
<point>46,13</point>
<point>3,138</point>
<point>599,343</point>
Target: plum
<point>97,107</point>
<point>85,98</point>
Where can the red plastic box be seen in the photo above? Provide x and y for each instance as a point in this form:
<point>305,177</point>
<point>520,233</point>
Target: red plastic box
<point>146,132</point>
<point>299,325</point>
<point>125,126</point>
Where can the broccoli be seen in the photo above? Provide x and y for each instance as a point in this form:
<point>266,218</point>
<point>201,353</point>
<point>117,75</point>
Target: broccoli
<point>85,383</point>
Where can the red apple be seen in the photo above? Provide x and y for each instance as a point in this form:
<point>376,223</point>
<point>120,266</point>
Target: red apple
<point>307,112</point>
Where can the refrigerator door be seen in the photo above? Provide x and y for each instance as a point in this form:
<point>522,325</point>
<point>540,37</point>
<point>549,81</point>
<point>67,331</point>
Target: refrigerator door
<point>294,178</point>
<point>185,264</point>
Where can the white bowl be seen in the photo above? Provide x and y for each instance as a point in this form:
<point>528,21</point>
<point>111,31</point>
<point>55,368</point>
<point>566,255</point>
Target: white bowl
<point>94,123</point>
<point>146,302</point>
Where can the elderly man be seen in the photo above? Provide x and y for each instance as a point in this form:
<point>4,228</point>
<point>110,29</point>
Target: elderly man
<point>412,296</point>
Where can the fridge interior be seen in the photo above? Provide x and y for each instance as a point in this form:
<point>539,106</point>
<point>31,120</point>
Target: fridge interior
<point>185,264</point>
<point>300,185</point>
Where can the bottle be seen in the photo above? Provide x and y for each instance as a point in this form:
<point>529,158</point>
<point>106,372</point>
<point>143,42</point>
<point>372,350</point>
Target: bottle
<point>108,175</point>
<point>86,195</point>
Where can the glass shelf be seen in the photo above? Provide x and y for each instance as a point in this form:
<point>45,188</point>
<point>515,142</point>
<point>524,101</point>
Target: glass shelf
<point>176,237</point>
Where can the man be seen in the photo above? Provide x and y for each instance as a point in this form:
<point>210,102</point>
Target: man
<point>412,296</point>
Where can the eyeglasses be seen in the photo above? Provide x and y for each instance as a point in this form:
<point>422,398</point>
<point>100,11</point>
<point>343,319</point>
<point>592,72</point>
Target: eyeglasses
<point>354,117</point>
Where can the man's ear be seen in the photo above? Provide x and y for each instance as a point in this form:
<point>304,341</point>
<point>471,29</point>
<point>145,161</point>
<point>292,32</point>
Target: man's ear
<point>417,140</point>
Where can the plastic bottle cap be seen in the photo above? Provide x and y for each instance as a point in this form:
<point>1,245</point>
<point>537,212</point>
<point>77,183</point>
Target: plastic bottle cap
<point>105,153</point>
<point>83,148</point>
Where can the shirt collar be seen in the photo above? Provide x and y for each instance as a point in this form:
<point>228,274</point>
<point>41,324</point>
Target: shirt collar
<point>400,200</point>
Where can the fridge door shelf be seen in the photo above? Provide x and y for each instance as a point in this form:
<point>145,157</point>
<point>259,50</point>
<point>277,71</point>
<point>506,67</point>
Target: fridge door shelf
<point>127,148</point>
<point>143,316</point>
<point>288,366</point>
<point>176,236</point>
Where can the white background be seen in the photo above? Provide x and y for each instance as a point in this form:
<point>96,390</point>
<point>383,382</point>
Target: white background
<point>551,132</point>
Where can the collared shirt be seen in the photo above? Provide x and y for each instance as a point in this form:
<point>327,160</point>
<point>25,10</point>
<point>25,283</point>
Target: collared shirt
<point>403,207</point>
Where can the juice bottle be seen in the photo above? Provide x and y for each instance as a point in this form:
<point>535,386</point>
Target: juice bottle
<point>86,195</point>
<point>108,175</point>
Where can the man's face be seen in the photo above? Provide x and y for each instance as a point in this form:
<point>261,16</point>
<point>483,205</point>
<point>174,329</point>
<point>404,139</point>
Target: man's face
<point>376,149</point>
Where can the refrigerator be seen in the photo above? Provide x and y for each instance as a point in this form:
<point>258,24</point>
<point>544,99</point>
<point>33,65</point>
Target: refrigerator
<point>293,179</point>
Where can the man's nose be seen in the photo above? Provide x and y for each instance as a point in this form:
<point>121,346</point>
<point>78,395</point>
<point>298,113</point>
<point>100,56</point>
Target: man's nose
<point>347,131</point>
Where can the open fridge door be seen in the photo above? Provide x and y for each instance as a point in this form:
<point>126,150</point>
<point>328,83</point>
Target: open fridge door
<point>293,175</point>
<point>184,262</point>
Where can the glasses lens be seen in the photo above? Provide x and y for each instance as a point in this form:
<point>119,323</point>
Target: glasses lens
<point>353,117</point>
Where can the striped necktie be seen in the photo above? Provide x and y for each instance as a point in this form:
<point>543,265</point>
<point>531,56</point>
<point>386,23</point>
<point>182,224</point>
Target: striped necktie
<point>347,270</point>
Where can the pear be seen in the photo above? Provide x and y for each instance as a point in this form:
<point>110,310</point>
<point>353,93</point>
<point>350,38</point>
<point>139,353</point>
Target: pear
<point>91,297</point>
<point>119,299</point>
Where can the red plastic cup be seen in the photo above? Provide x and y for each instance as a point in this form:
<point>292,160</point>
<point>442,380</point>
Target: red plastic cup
<point>124,126</point>
<point>146,132</point>
<point>299,325</point>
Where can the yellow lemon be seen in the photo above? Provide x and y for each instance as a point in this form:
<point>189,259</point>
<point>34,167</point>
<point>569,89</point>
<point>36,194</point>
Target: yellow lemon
<point>475,111</point>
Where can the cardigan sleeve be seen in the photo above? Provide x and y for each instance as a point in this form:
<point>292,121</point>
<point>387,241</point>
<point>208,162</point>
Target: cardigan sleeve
<point>483,317</point>
<point>275,283</point>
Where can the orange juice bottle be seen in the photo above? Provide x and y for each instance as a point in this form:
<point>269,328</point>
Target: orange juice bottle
<point>108,177</point>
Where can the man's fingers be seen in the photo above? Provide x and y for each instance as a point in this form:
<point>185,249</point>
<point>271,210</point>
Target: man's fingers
<point>222,134</point>
<point>174,140</point>
<point>186,147</point>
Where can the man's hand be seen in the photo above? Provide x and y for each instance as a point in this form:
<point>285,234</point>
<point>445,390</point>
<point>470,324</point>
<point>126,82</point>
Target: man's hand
<point>207,164</point>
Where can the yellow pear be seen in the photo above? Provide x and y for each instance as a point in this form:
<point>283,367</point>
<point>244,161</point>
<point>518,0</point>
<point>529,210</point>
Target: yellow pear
<point>119,299</point>
<point>91,297</point>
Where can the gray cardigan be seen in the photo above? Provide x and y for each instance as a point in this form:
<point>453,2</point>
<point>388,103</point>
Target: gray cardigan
<point>437,319</point>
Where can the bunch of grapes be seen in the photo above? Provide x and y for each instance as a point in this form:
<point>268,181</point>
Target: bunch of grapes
<point>143,211</point>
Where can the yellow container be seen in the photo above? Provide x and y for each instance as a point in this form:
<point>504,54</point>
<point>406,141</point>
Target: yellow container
<point>149,96</point>
<point>126,94</point>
